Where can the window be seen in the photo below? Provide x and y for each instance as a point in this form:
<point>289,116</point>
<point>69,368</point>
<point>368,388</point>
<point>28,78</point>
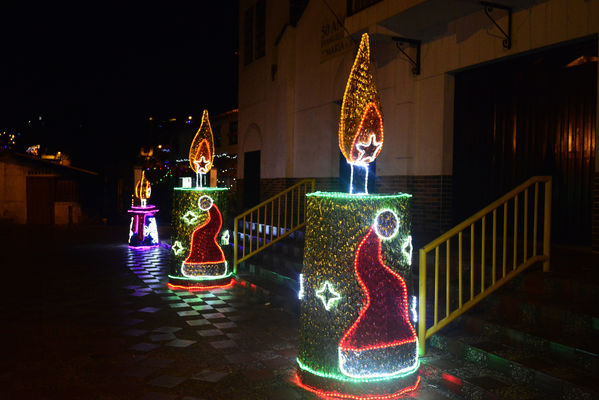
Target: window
<point>254,28</point>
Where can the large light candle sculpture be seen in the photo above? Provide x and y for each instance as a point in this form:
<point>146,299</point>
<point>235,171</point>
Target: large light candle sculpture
<point>143,232</point>
<point>199,242</point>
<point>356,335</point>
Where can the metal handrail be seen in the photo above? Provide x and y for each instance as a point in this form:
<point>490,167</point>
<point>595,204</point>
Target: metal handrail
<point>483,274</point>
<point>292,199</point>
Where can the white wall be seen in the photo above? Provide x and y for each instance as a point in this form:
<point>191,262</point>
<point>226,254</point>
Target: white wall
<point>298,112</point>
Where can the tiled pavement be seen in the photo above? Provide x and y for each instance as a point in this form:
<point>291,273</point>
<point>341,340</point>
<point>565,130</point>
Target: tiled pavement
<point>223,343</point>
<point>84,317</point>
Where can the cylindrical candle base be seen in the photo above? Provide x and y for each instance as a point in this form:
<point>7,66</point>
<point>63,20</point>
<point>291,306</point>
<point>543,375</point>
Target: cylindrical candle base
<point>356,333</point>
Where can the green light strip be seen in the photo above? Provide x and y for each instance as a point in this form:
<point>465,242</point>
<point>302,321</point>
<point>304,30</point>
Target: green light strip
<point>202,189</point>
<point>208,278</point>
<point>348,379</point>
<point>359,196</point>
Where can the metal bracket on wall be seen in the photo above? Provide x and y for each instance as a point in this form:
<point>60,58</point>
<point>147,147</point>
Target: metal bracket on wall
<point>489,7</point>
<point>412,43</point>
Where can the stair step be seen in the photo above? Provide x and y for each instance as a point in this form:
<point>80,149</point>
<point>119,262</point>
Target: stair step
<point>556,314</point>
<point>560,284</point>
<point>523,365</point>
<point>281,290</point>
<point>471,381</point>
<point>566,348</point>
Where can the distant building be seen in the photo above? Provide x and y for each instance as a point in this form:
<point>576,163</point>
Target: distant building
<point>224,130</point>
<point>39,191</point>
<point>470,110</point>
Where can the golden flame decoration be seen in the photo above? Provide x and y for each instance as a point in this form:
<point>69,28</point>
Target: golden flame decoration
<point>361,123</point>
<point>201,152</point>
<point>143,188</point>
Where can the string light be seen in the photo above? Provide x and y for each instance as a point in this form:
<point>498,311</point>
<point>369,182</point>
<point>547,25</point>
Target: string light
<point>190,217</point>
<point>224,239</point>
<point>193,288</point>
<point>201,151</point>
<point>407,248</point>
<point>177,248</point>
<point>300,294</point>
<point>323,294</point>
<point>345,378</point>
<point>353,352</point>
<point>337,223</point>
<point>413,308</point>
<point>332,394</point>
<point>203,262</point>
<point>205,257</point>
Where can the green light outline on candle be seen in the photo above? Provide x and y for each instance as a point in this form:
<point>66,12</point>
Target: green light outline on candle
<point>359,196</point>
<point>343,378</point>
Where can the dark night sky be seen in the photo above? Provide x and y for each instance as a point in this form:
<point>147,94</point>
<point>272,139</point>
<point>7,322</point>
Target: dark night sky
<point>96,71</point>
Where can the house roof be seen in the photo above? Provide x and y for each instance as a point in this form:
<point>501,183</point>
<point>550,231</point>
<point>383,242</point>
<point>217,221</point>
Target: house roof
<point>36,161</point>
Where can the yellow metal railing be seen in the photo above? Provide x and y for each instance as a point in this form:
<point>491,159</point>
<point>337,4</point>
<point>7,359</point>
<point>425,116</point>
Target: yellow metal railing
<point>270,221</point>
<point>487,272</point>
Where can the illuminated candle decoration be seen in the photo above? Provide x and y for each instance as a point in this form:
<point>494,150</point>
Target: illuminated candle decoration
<point>361,123</point>
<point>199,252</point>
<point>356,337</point>
<point>143,232</point>
<point>200,245</point>
<point>201,152</point>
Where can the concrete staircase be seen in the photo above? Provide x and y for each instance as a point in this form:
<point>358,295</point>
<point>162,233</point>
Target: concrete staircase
<point>276,269</point>
<point>536,339</point>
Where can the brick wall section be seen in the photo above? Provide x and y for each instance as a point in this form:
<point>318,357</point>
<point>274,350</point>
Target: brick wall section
<point>595,212</point>
<point>432,200</point>
<point>272,187</point>
<point>431,204</point>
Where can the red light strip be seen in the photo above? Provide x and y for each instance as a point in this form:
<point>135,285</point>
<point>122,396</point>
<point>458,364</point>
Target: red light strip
<point>342,342</point>
<point>222,254</point>
<point>196,288</point>
<point>395,395</point>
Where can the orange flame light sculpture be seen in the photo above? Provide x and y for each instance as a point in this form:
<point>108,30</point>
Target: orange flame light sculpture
<point>361,123</point>
<point>201,152</point>
<point>143,190</point>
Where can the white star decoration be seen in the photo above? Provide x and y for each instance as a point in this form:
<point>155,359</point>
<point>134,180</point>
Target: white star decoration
<point>368,151</point>
<point>202,165</point>
<point>328,295</point>
<point>190,217</point>
<point>177,248</point>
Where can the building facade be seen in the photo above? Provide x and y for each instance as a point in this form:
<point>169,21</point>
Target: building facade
<point>463,86</point>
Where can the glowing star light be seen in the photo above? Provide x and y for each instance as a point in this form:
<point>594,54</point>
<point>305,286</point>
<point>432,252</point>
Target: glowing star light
<point>368,151</point>
<point>328,295</point>
<point>190,217</point>
<point>406,249</point>
<point>361,122</point>
<point>201,152</point>
<point>224,239</point>
<point>300,294</point>
<point>177,248</point>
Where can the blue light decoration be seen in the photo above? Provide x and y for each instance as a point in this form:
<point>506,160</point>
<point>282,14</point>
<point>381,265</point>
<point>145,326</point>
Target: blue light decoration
<point>357,340</point>
<point>143,231</point>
